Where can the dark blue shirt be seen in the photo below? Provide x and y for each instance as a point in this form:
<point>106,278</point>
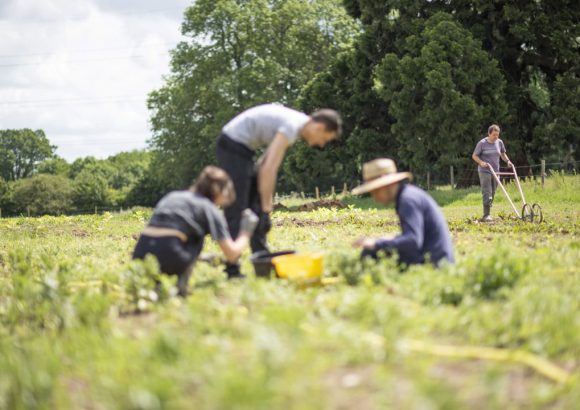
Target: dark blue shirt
<point>424,229</point>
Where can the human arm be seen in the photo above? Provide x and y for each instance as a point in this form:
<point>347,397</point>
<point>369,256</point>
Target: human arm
<point>233,249</point>
<point>479,161</point>
<point>410,241</point>
<point>268,170</point>
<point>369,243</point>
<point>504,156</point>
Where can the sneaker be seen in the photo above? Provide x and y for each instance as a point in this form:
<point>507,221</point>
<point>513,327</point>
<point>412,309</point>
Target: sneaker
<point>486,218</point>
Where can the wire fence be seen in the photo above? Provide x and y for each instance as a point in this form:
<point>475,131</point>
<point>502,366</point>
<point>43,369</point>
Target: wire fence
<point>432,180</point>
<point>428,181</point>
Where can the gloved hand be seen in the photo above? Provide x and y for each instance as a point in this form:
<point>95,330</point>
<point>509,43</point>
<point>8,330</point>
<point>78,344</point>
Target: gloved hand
<point>265,223</point>
<point>248,222</point>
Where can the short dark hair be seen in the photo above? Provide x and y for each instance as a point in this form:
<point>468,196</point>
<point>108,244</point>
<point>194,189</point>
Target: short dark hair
<point>492,128</point>
<point>213,181</point>
<point>330,118</point>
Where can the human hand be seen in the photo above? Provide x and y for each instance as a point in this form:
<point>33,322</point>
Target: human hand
<point>510,164</point>
<point>367,243</point>
<point>248,222</point>
<point>484,164</point>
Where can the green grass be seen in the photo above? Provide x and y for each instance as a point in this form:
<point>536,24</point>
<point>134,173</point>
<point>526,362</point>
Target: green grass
<point>81,328</point>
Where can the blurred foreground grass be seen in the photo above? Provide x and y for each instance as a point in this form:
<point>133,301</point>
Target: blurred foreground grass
<point>81,328</point>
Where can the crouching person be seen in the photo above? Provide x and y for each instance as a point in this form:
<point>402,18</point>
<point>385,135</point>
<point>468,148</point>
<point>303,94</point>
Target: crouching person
<point>182,219</point>
<point>424,229</point>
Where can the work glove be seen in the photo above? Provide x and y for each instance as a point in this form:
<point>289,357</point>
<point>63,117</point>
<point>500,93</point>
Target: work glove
<point>248,222</point>
<point>265,223</point>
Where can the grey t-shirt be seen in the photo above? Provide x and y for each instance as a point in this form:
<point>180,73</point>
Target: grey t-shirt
<point>190,213</point>
<point>490,153</point>
<point>257,126</point>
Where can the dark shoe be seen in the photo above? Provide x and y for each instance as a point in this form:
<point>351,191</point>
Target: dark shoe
<point>236,276</point>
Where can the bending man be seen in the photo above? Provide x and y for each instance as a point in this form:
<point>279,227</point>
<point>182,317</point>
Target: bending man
<point>275,127</point>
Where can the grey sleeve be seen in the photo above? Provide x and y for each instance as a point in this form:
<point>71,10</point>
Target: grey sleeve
<point>216,222</point>
<point>478,148</point>
<point>501,147</point>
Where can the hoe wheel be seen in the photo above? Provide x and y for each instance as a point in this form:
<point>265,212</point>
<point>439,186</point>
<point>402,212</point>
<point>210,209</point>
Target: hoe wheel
<point>527,213</point>
<point>537,215</point>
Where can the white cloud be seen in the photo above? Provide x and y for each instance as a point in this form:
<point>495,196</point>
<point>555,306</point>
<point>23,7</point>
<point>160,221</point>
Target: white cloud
<point>81,69</point>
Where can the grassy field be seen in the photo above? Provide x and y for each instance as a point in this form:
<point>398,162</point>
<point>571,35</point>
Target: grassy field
<point>80,326</point>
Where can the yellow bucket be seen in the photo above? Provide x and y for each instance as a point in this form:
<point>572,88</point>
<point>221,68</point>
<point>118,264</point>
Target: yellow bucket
<point>299,266</point>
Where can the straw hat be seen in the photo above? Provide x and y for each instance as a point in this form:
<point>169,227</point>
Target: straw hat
<point>379,173</point>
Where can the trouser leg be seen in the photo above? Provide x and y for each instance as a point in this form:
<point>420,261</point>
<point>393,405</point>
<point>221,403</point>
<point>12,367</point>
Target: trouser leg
<point>487,191</point>
<point>258,242</point>
<point>183,281</point>
<point>241,171</point>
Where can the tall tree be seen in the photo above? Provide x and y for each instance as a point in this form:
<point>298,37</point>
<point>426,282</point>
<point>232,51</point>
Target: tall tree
<point>239,54</point>
<point>440,92</point>
<point>54,166</point>
<point>535,44</point>
<point>21,151</point>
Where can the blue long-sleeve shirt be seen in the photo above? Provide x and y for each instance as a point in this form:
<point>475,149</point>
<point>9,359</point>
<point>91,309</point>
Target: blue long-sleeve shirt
<point>424,229</point>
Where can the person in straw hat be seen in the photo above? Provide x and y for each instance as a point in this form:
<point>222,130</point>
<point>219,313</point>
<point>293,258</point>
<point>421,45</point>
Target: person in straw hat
<point>425,235</point>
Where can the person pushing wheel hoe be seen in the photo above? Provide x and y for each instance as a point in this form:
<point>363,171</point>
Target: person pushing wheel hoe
<point>274,127</point>
<point>486,154</point>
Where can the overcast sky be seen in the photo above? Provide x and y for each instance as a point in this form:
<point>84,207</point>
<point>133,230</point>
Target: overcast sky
<point>81,69</point>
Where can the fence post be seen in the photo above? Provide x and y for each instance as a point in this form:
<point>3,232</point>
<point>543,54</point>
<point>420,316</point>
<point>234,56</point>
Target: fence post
<point>452,177</point>
<point>28,211</point>
<point>344,189</point>
<point>302,194</point>
<point>0,212</point>
<point>317,194</point>
<point>543,171</point>
<point>428,180</point>
<point>95,209</point>
<point>332,192</point>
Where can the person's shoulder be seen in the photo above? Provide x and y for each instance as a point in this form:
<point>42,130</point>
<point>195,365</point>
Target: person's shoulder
<point>411,194</point>
<point>414,191</point>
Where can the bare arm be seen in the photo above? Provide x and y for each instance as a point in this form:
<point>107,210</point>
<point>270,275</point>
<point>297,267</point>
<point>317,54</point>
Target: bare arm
<point>479,161</point>
<point>233,249</point>
<point>370,243</point>
<point>269,170</point>
<point>504,156</point>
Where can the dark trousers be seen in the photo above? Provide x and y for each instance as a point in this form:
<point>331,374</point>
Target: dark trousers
<point>175,257</point>
<point>238,161</point>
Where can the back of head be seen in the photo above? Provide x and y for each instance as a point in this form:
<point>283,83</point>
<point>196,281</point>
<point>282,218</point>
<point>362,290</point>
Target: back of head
<point>213,181</point>
<point>330,118</point>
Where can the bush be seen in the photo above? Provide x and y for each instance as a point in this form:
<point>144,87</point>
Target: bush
<point>43,194</point>
<point>90,189</point>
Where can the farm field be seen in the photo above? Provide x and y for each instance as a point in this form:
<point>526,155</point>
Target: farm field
<point>82,328</point>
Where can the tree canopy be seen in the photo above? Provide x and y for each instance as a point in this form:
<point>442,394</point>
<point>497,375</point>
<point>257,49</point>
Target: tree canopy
<point>418,81</point>
<point>21,151</point>
<point>239,54</point>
